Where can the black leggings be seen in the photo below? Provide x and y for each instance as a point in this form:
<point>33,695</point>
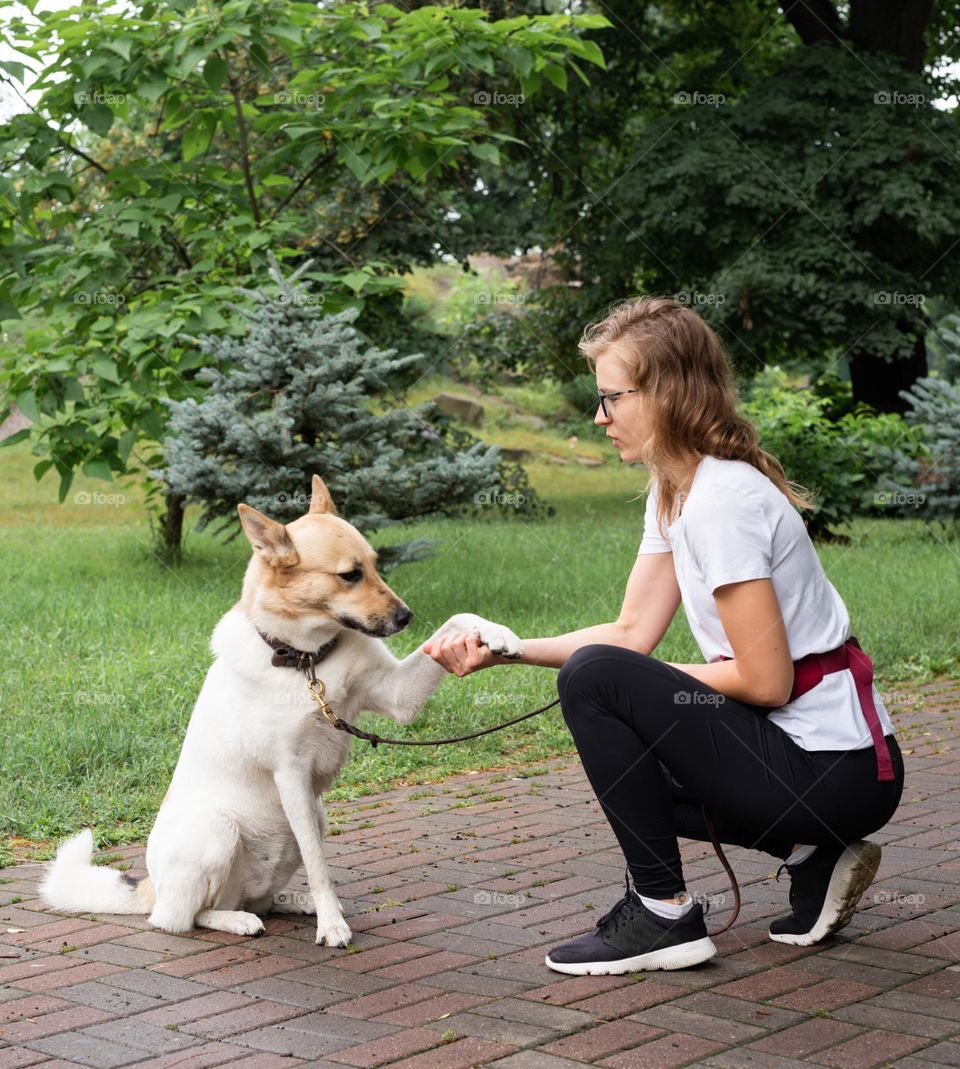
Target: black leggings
<point>655,743</point>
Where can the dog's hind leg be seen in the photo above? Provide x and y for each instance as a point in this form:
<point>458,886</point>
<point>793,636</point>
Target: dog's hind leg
<point>193,859</point>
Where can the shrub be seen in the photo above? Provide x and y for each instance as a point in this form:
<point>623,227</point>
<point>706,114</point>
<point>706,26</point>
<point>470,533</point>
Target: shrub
<point>843,460</point>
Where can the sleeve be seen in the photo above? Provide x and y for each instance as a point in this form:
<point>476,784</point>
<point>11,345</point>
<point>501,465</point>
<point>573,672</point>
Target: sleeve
<point>653,541</point>
<point>731,542</point>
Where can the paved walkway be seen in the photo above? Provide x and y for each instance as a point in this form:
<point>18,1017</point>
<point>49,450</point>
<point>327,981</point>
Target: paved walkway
<point>455,892</point>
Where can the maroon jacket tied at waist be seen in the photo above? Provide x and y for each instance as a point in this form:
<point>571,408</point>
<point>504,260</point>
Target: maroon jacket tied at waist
<point>810,670</point>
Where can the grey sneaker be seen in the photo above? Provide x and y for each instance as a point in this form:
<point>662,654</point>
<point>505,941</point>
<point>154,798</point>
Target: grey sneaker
<point>824,891</point>
<point>631,937</point>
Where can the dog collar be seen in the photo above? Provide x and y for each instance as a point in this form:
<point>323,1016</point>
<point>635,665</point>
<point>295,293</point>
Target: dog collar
<point>285,656</point>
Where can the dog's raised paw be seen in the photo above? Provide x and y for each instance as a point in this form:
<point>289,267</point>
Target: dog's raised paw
<point>334,933</point>
<point>499,639</point>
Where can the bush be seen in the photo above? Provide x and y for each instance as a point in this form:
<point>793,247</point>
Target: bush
<point>843,460</point>
<point>928,478</point>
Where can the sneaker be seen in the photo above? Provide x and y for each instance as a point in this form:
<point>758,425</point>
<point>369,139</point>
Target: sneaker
<point>824,891</point>
<point>631,937</point>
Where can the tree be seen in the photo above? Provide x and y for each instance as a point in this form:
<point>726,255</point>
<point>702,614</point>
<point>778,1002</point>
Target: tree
<point>831,248</point>
<point>173,143</point>
<point>305,393</point>
<point>694,162</point>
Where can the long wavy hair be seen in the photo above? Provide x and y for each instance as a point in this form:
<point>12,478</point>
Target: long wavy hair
<point>671,354</point>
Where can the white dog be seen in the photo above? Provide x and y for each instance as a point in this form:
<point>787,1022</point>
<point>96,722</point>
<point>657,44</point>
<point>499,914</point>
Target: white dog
<point>244,806</point>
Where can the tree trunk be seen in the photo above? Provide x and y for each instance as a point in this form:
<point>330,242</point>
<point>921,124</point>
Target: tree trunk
<point>171,528</point>
<point>878,382</point>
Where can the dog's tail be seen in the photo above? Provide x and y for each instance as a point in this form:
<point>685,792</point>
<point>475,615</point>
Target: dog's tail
<point>73,884</point>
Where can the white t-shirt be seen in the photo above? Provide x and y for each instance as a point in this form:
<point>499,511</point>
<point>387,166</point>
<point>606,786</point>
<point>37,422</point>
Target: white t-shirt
<point>737,525</point>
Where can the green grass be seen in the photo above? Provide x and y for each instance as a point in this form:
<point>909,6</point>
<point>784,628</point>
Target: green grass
<point>106,648</point>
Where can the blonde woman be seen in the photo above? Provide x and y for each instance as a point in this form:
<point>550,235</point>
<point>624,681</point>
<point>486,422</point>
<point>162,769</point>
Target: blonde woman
<point>781,733</point>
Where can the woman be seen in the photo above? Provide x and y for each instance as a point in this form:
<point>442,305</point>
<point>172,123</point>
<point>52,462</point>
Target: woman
<point>794,757</point>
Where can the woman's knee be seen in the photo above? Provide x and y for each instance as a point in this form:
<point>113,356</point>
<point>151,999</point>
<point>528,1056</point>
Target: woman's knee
<point>589,667</point>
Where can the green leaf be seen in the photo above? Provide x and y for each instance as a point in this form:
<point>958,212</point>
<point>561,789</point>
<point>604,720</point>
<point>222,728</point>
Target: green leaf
<point>14,68</point>
<point>27,403</point>
<point>98,118</point>
<point>483,150</point>
<point>355,280</point>
<point>17,436</point>
<point>198,136</point>
<point>215,72</point>
<point>105,368</point>
<point>97,468</point>
<point>66,480</point>
<point>190,59</point>
<point>557,75</point>
<point>126,443</point>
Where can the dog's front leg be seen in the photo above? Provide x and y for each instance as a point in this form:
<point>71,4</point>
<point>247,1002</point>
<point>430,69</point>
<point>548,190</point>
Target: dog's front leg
<point>300,807</point>
<point>400,688</point>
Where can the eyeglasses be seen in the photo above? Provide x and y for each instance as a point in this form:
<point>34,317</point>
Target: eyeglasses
<point>603,398</point>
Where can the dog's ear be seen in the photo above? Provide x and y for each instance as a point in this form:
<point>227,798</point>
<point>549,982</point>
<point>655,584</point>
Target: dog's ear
<point>320,499</point>
<point>269,539</point>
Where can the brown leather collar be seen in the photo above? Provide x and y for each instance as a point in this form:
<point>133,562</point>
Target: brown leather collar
<point>285,656</point>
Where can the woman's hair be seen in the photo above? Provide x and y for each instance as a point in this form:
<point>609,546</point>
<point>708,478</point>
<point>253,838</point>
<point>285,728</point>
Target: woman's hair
<point>671,354</point>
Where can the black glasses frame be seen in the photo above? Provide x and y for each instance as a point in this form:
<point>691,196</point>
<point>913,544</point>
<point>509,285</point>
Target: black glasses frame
<point>604,397</point>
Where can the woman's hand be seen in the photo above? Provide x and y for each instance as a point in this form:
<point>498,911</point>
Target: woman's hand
<point>463,654</point>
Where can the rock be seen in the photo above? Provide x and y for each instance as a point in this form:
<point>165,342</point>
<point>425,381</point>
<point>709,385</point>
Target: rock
<point>462,408</point>
<point>551,459</point>
<point>526,419</point>
<point>589,462</point>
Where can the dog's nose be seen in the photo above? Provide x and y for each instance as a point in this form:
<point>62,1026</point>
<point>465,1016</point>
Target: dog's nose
<point>402,617</point>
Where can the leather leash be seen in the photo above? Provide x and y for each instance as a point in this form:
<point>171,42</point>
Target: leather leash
<point>318,692</point>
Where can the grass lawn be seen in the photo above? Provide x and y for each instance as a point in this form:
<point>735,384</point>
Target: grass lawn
<point>106,648</point>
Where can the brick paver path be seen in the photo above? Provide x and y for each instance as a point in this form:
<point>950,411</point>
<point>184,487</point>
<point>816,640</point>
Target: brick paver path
<point>454,893</point>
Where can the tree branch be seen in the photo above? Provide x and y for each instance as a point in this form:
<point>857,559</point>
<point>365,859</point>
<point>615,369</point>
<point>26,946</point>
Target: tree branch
<point>318,164</point>
<point>244,148</point>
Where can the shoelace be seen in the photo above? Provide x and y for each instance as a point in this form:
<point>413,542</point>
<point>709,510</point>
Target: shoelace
<point>618,915</point>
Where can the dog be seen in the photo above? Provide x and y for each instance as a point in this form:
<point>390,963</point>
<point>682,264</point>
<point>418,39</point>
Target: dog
<point>244,808</point>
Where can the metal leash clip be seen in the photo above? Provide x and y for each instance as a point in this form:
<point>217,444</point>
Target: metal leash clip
<point>319,692</point>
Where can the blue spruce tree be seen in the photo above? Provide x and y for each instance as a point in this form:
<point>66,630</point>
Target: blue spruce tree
<point>305,392</point>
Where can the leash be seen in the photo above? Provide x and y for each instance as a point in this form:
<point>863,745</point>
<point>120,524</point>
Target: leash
<point>318,692</point>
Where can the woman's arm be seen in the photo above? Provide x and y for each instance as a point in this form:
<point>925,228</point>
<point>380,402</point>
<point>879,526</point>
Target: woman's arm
<point>761,671</point>
<point>650,602</point>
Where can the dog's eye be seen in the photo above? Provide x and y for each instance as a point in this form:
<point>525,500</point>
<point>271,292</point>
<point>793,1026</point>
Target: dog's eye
<point>353,576</point>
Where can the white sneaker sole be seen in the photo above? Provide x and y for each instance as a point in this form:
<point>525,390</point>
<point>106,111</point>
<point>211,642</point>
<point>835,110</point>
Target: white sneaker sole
<point>852,875</point>
<point>679,957</point>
